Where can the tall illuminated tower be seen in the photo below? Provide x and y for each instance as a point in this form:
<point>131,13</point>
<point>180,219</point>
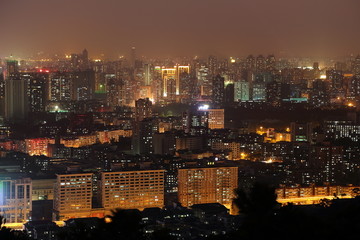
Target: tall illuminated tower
<point>168,74</point>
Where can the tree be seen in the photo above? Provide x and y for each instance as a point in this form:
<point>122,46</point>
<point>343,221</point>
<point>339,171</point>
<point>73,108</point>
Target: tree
<point>10,234</point>
<point>260,200</point>
<point>124,224</point>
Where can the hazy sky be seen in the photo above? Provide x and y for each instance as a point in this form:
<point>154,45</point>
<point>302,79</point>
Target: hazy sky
<point>187,27</point>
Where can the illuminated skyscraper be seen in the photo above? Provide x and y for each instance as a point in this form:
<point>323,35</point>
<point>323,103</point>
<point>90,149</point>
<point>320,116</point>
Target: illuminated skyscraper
<point>60,87</point>
<point>207,185</point>
<point>147,74</point>
<point>37,90</point>
<point>172,75</point>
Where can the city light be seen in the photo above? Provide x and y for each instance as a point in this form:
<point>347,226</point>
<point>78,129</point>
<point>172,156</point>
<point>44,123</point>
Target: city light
<point>203,107</point>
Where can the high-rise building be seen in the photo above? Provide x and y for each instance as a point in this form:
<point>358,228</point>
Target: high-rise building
<point>336,78</point>
<point>37,91</point>
<point>241,91</point>
<point>132,189</point>
<point>146,131</point>
<point>259,92</point>
<point>60,87</point>
<point>270,63</point>
<point>15,199</point>
<point>207,185</point>
<point>143,109</point>
<point>73,195</point>
<point>216,118</point>
<point>260,63</point>
<point>2,95</point>
<point>356,66</point>
<point>164,143</point>
<point>250,63</point>
<point>173,75</point>
<point>301,132</point>
<point>147,74</point>
<point>218,90</point>
<point>16,99</point>
<point>83,85</point>
<point>132,57</point>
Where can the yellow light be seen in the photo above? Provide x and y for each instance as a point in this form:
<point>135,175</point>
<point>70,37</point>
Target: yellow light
<point>350,105</point>
<point>323,76</point>
<point>288,129</point>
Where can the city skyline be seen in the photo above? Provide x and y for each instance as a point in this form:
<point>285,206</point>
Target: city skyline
<point>162,29</point>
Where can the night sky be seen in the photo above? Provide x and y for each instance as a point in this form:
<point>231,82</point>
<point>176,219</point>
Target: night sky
<point>189,27</point>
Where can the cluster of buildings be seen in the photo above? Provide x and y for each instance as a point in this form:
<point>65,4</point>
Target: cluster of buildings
<point>81,137</point>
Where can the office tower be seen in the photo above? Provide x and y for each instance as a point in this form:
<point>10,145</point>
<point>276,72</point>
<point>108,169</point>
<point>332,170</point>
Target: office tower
<point>37,91</point>
<point>241,91</point>
<point>203,81</point>
<point>207,185</point>
<point>73,196</point>
<point>216,118</point>
<point>260,63</point>
<point>16,100</point>
<point>218,90</point>
<point>172,75</point>
<point>15,199</point>
<point>143,109</point>
<point>132,189</point>
<point>60,87</point>
<point>147,74</point>
<point>171,89</point>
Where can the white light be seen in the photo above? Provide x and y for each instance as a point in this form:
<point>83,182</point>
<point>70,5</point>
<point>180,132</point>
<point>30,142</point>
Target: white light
<point>203,107</point>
